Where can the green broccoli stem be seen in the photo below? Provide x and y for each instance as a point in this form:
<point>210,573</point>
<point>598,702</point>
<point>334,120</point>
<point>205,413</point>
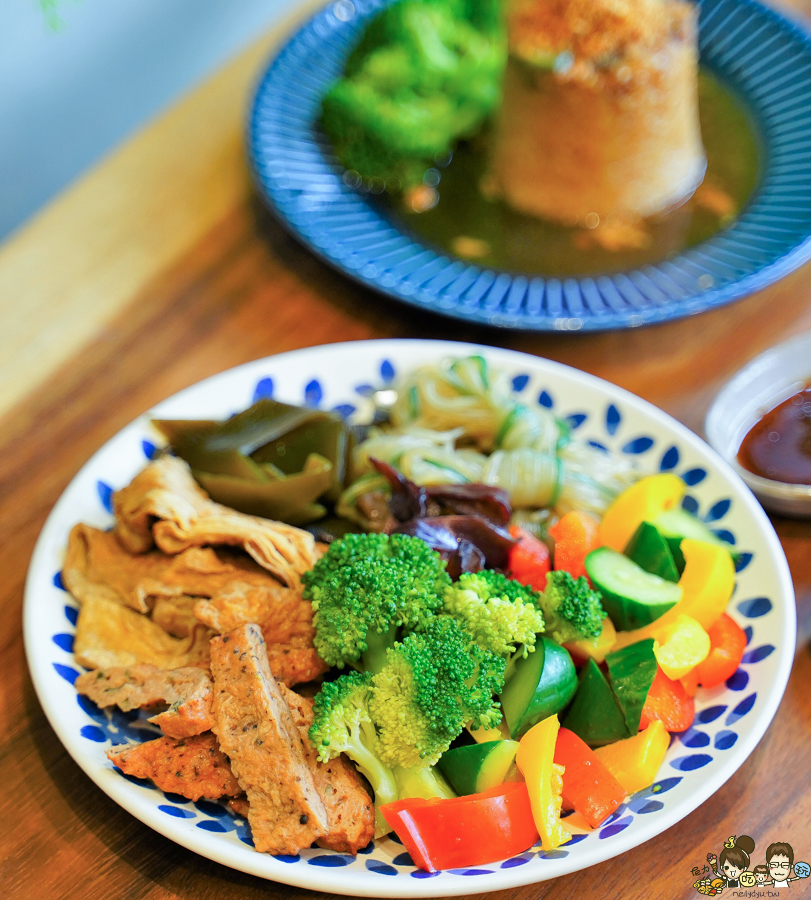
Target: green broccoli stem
<point>379,776</point>
<point>425,782</point>
<point>521,651</point>
<point>509,671</point>
<point>377,645</point>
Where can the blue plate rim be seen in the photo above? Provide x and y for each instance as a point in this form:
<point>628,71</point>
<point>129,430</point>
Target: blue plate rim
<point>790,23</point>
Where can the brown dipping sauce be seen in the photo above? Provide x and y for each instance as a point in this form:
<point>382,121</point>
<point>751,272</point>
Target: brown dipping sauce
<point>779,445</point>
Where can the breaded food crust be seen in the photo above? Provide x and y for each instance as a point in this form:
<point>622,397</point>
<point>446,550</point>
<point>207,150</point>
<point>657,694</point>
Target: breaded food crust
<point>193,767</point>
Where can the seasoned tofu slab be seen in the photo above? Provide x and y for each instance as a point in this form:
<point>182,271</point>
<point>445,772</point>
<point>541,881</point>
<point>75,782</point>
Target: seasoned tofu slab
<point>256,731</point>
<point>186,691</point>
<point>349,807</point>
<point>193,767</point>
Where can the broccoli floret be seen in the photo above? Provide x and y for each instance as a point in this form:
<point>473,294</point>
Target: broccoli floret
<point>342,724</point>
<point>508,587</point>
<point>433,683</point>
<point>572,610</point>
<point>500,614</point>
<point>426,73</point>
<point>365,589</point>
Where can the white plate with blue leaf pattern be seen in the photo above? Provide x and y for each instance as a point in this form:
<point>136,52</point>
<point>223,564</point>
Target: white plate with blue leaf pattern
<point>730,720</point>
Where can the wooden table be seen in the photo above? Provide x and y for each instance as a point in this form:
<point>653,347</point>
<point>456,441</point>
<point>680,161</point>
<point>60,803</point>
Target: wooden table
<point>160,268</point>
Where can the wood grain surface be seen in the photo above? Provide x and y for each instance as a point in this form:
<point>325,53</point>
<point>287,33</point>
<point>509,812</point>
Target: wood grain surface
<point>243,290</point>
<point>83,258</point>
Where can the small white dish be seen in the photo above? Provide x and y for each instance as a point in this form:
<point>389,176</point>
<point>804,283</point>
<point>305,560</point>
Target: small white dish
<point>730,719</point>
<point>759,387</point>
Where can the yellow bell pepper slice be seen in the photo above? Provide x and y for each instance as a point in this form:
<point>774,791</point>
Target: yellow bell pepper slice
<point>707,584</point>
<point>707,581</point>
<point>680,647</point>
<point>595,648</point>
<point>635,761</point>
<point>535,759</point>
<point>642,502</point>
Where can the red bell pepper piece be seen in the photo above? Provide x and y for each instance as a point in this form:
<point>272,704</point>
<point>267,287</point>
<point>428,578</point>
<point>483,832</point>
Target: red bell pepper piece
<point>727,644</point>
<point>529,560</point>
<point>588,786</point>
<point>575,537</point>
<point>668,702</point>
<point>465,831</point>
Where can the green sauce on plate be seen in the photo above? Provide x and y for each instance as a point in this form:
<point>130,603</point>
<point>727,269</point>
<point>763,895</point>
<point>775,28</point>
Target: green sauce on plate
<point>464,223</point>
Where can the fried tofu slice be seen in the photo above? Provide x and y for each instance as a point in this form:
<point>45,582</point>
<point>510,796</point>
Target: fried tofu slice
<point>295,665</point>
<point>164,506</point>
<point>175,615</point>
<point>349,807</point>
<point>286,617</point>
<point>109,634</point>
<point>187,692</point>
<point>286,620</point>
<point>96,564</point>
<point>255,729</point>
<point>220,588</point>
<point>193,767</point>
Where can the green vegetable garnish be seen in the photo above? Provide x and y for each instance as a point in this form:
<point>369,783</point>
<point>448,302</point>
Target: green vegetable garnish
<point>432,685</point>
<point>396,724</point>
<point>426,73</point>
<point>369,588</point>
<point>572,610</point>
<point>499,613</point>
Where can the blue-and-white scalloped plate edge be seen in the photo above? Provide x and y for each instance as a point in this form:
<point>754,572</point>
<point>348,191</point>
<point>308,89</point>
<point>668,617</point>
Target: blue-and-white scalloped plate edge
<point>730,720</point>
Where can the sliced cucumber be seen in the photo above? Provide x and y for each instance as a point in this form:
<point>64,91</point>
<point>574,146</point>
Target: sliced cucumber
<point>595,715</point>
<point>650,550</point>
<point>676,524</point>
<point>542,684</point>
<point>632,597</point>
<point>478,767</point>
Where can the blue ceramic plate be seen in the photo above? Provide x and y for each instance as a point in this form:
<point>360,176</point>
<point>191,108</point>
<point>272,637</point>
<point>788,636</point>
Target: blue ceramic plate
<point>730,719</point>
<point>763,56</point>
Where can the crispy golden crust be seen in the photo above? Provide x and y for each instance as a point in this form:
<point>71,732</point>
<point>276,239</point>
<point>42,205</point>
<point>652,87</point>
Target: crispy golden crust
<point>164,505</point>
<point>193,767</point>
<point>256,730</point>
<point>349,807</point>
<point>186,691</point>
<point>605,41</point>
